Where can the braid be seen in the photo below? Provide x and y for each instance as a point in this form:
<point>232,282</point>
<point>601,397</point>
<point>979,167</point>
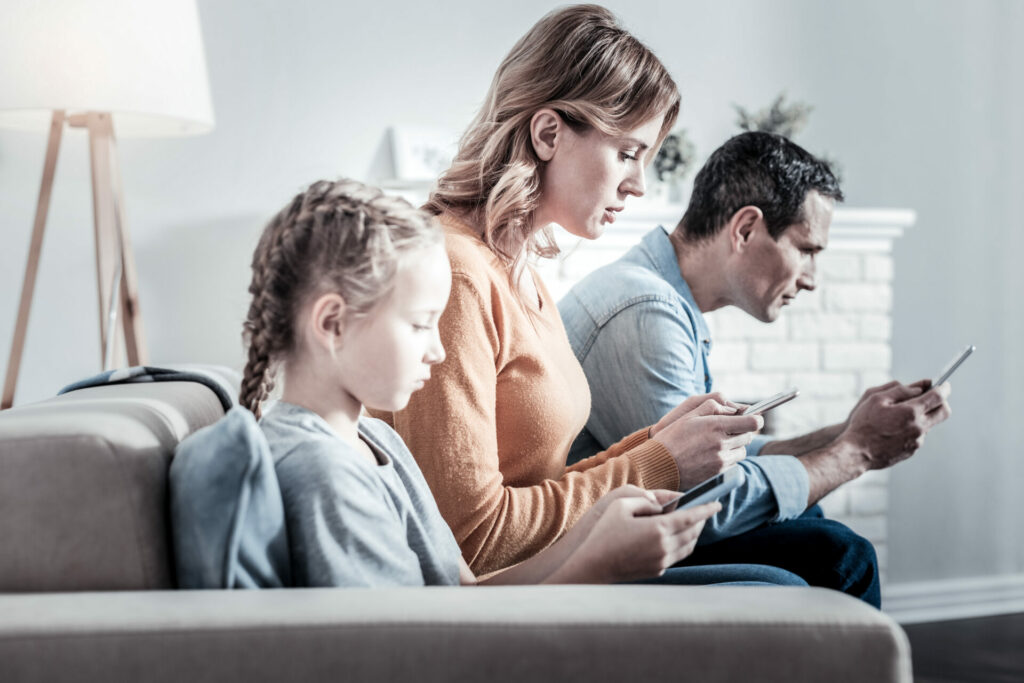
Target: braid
<point>262,329</point>
<point>342,236</point>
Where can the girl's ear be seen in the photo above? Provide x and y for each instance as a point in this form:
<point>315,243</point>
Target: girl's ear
<point>741,226</point>
<point>546,128</point>
<point>327,321</point>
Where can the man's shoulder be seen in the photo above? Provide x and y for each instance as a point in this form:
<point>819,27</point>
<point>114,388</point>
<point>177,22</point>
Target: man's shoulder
<point>618,285</point>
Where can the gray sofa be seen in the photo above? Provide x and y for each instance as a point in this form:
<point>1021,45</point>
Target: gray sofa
<point>87,590</point>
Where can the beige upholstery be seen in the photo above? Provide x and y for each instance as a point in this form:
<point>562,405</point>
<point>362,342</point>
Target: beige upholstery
<point>83,503</point>
<point>83,486</point>
<point>515,634</point>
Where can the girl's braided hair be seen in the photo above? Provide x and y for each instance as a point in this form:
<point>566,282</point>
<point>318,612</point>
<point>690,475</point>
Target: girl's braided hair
<point>343,237</point>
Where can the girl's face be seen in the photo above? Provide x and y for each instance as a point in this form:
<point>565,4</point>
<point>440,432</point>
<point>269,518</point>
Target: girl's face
<point>386,355</point>
<point>589,176</point>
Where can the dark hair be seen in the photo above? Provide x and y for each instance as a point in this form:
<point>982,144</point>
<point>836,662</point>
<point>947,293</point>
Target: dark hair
<point>342,236</point>
<point>756,169</point>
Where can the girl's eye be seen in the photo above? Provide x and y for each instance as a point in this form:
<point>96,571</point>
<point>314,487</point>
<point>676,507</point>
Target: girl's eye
<point>631,156</point>
<point>420,328</point>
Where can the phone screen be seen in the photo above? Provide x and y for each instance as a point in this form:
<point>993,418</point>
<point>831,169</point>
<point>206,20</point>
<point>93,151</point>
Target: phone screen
<point>698,490</point>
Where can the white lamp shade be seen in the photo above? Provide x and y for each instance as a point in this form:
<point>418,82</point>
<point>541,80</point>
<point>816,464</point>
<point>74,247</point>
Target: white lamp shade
<point>140,60</point>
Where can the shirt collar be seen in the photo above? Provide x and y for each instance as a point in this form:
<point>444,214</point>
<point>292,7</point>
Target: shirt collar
<point>658,248</point>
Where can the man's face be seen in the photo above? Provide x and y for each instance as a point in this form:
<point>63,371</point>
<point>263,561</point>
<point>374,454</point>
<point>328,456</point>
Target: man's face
<point>772,272</point>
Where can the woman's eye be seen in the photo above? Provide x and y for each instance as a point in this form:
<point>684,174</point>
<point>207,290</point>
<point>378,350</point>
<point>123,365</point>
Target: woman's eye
<point>420,328</point>
<point>628,155</point>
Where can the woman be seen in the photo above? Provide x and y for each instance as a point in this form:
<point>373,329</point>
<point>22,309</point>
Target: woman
<point>347,288</point>
<point>573,115</point>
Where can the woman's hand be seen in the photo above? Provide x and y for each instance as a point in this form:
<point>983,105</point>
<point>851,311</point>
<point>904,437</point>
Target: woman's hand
<point>705,434</point>
<point>631,539</point>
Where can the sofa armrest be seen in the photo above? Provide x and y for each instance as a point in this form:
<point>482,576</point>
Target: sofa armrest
<point>529,633</point>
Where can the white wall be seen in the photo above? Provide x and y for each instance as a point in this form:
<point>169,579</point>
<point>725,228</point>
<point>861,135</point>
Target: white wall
<point>917,99</point>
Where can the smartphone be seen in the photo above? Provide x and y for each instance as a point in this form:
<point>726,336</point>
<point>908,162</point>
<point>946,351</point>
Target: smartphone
<point>773,402</point>
<point>953,365</point>
<point>707,491</point>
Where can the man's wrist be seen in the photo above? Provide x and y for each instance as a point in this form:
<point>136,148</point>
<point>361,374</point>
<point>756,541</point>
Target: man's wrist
<point>833,465</point>
<point>853,458</point>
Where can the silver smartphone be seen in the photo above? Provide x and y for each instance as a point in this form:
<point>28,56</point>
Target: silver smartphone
<point>707,491</point>
<point>953,365</point>
<point>773,402</point>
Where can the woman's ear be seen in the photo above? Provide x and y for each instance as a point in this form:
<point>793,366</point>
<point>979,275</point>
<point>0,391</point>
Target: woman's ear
<point>546,128</point>
<point>327,321</point>
<point>742,225</point>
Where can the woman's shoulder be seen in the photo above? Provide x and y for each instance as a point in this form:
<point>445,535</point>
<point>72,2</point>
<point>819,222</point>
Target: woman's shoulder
<point>470,257</point>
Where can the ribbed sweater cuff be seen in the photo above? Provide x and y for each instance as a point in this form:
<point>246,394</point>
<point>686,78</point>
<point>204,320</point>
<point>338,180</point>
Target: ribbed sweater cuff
<point>655,465</point>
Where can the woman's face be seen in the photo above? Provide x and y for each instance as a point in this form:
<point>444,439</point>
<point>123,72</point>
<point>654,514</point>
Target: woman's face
<point>585,183</point>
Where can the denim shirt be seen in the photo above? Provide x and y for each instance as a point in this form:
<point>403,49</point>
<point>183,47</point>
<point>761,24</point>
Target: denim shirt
<point>644,344</point>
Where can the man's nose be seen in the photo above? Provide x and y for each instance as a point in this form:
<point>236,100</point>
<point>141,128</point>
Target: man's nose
<point>806,279</point>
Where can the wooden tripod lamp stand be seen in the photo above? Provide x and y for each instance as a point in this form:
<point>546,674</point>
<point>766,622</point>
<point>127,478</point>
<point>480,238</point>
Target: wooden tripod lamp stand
<point>100,65</point>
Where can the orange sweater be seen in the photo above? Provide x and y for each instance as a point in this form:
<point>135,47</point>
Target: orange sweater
<point>492,427</point>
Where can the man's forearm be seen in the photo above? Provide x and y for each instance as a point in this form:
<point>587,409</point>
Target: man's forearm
<point>803,444</point>
<point>831,466</point>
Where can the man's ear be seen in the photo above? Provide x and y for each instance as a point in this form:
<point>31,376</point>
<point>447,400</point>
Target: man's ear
<point>546,128</point>
<point>327,321</point>
<point>741,226</point>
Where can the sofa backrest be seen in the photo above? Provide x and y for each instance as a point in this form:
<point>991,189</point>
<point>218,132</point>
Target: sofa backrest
<point>83,486</point>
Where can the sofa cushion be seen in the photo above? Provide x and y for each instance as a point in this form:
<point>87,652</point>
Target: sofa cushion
<point>227,516</point>
<point>83,485</point>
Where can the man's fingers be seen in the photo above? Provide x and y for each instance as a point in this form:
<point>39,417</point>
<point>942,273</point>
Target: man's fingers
<point>881,387</point>
<point>932,399</point>
<point>901,392</point>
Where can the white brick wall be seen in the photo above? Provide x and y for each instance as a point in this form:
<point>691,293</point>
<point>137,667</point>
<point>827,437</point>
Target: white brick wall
<point>832,343</point>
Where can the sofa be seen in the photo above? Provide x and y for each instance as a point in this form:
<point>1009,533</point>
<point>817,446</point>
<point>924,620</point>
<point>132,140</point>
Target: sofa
<point>87,590</point>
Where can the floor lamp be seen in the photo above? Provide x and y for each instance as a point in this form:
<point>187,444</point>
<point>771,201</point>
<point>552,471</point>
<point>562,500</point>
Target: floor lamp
<point>100,65</point>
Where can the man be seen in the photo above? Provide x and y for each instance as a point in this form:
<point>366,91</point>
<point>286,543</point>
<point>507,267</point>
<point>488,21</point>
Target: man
<point>758,216</point>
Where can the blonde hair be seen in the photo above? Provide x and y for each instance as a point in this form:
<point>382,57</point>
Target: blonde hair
<point>578,61</point>
<point>343,237</point>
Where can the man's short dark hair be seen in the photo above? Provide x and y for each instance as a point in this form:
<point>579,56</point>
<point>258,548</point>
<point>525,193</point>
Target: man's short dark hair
<point>756,169</point>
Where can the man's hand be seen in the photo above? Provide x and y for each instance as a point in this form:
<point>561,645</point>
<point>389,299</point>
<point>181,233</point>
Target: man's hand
<point>889,423</point>
<point>706,437</point>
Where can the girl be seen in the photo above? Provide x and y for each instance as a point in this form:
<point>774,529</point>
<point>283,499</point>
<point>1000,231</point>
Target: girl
<point>348,286</point>
<point>573,115</point>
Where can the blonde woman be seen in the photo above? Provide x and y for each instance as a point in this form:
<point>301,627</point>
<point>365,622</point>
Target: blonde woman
<point>347,288</point>
<point>573,115</point>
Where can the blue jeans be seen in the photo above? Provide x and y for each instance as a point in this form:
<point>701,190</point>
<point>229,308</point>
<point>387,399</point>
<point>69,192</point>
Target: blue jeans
<point>728,574</point>
<point>820,551</point>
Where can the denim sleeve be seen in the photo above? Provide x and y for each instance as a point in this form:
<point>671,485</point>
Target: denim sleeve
<point>642,364</point>
<point>776,489</point>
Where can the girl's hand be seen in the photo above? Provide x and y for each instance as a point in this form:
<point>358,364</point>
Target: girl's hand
<point>586,523</point>
<point>631,539</point>
<point>706,438</point>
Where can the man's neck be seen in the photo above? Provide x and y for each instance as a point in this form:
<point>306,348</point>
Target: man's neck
<point>701,266</point>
